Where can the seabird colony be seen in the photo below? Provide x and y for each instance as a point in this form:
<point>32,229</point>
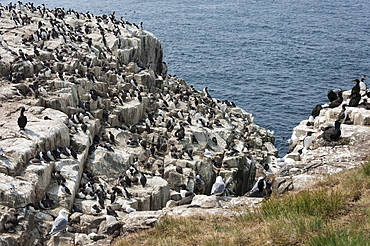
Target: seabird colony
<point>121,105</point>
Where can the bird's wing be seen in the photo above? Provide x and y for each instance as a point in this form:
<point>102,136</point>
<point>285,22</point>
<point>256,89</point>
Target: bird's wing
<point>217,188</point>
<point>59,224</point>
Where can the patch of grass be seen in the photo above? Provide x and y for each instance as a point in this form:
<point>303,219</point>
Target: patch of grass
<point>321,203</point>
<point>340,237</point>
<point>366,168</point>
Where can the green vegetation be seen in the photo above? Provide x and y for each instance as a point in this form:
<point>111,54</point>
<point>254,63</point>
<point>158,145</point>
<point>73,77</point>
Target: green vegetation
<point>335,212</point>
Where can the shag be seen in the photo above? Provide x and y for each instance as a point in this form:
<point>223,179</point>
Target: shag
<point>332,95</point>
<point>343,114</point>
<point>316,110</point>
<point>356,89</point>
<point>355,99</point>
<point>337,101</point>
<point>332,133</point>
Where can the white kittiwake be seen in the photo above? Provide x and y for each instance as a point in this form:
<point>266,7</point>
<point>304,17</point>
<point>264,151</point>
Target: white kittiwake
<point>60,223</point>
<point>218,187</point>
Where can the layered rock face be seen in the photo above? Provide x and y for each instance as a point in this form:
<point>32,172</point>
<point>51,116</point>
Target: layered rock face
<point>100,110</point>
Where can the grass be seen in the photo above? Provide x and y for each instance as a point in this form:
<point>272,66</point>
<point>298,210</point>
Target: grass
<point>340,237</point>
<point>335,212</point>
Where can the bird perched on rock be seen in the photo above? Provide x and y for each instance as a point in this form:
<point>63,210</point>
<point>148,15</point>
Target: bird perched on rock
<point>152,150</point>
<point>143,179</point>
<point>262,188</point>
<point>22,119</point>
<point>316,111</point>
<point>187,199</point>
<point>214,140</point>
<point>112,138</point>
<point>46,202</point>
<point>205,91</point>
<point>268,187</point>
<point>293,140</point>
<point>110,218</point>
<point>110,211</point>
<point>257,190</point>
<point>127,208</point>
<point>60,223</point>
<point>180,133</point>
<point>332,95</point>
<point>143,143</point>
<point>83,127</point>
<point>364,104</point>
<point>356,89</point>
<point>179,169</point>
<point>343,114</point>
<point>228,182</point>
<point>65,190</point>
<point>363,87</point>
<point>200,185</point>
<point>355,99</point>
<point>337,101</point>
<point>113,196</point>
<point>126,194</point>
<point>95,209</point>
<point>307,141</point>
<point>332,133</point>
<point>100,199</point>
<point>72,152</point>
<point>58,177</point>
<point>218,187</point>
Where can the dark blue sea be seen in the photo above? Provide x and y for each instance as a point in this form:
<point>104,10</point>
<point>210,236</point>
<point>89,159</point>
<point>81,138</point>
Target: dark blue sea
<point>275,59</point>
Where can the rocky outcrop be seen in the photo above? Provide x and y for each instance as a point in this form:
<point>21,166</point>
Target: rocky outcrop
<point>299,169</point>
<point>105,121</point>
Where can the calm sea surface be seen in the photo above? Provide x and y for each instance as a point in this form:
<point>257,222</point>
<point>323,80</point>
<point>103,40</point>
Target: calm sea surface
<point>275,59</point>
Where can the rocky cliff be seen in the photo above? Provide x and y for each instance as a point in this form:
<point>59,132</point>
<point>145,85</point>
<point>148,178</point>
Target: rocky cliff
<point>107,129</point>
<point>304,166</point>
